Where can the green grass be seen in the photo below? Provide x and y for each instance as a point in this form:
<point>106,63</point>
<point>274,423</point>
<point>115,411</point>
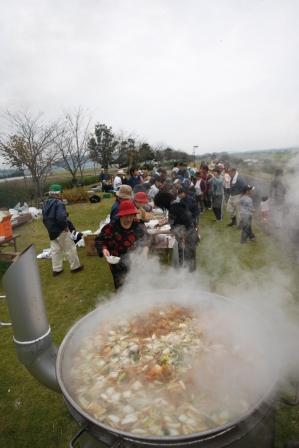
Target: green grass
<point>250,265</point>
<point>33,416</point>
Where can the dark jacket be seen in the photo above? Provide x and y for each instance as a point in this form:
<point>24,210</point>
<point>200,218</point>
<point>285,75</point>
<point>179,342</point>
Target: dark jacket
<point>185,232</point>
<point>238,186</point>
<point>180,215</point>
<point>120,242</point>
<point>192,205</point>
<point>133,181</point>
<point>114,211</point>
<point>183,172</point>
<point>54,217</point>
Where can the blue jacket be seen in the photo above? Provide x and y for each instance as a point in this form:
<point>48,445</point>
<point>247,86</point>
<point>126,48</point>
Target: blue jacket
<point>54,217</point>
<point>133,181</point>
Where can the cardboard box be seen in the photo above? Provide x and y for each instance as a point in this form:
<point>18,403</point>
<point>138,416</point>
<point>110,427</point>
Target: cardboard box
<point>89,244</point>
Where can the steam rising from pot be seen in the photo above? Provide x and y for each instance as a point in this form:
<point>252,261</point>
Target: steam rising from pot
<point>252,336</point>
<point>262,315</point>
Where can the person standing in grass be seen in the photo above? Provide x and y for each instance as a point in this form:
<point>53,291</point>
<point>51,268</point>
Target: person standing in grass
<point>246,211</point>
<point>134,178</point>
<point>56,222</point>
<point>237,185</point>
<point>217,193</point>
<point>120,238</point>
<point>277,198</point>
<point>190,202</point>
<point>264,214</point>
<point>200,189</point>
<point>118,180</point>
<point>182,225</point>
<point>226,184</point>
<point>155,188</point>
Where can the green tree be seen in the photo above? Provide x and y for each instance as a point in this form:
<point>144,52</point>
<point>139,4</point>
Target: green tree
<point>122,153</point>
<point>102,145</point>
<point>145,153</point>
<point>132,152</point>
<point>168,154</point>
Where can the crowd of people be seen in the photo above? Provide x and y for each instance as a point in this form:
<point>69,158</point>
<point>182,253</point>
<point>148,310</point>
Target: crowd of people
<point>181,194</point>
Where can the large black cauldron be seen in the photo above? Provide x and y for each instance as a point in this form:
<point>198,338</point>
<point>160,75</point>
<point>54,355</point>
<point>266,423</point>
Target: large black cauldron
<point>255,429</point>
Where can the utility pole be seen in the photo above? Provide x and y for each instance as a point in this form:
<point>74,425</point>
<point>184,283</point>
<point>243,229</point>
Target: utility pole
<point>194,148</point>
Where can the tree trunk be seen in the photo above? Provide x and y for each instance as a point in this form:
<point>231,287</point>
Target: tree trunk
<point>38,190</point>
<point>81,174</point>
<point>74,181</point>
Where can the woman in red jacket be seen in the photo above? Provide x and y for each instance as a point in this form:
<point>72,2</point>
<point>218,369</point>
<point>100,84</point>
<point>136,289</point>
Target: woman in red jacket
<point>120,238</point>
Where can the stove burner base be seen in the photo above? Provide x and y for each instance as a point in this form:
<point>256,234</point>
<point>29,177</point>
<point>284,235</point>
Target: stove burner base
<point>84,440</point>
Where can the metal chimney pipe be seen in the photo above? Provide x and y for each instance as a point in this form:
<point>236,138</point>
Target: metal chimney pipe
<point>32,333</point>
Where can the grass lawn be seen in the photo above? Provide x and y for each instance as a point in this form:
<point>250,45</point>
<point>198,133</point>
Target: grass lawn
<point>33,416</point>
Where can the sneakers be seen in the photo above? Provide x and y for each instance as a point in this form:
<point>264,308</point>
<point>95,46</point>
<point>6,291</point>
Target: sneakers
<point>73,271</point>
<point>55,273</point>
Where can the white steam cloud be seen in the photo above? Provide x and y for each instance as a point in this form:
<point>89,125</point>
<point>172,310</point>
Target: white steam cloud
<point>252,325</point>
<point>253,334</point>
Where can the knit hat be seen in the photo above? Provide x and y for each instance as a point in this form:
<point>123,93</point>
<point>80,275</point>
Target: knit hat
<point>141,197</point>
<point>55,189</point>
<point>124,192</point>
<point>127,208</point>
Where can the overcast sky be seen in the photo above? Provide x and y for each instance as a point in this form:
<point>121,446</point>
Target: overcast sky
<point>218,74</point>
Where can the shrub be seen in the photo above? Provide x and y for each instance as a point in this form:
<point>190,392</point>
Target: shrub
<point>14,191</point>
<point>147,166</point>
<point>88,180</point>
<point>67,183</point>
<point>75,195</point>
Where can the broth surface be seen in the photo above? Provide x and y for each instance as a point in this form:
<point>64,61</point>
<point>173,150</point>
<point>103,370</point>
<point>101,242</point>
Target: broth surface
<point>143,375</point>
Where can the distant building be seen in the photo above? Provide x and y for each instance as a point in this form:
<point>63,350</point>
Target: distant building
<point>251,161</point>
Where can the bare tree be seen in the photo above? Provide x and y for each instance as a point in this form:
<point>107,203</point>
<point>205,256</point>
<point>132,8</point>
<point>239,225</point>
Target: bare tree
<point>73,142</point>
<point>29,144</point>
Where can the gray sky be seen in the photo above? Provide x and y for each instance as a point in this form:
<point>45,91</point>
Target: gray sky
<point>220,74</point>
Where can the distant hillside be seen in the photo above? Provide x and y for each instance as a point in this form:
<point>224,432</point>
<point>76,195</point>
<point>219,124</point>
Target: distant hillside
<point>5,173</point>
<point>264,153</point>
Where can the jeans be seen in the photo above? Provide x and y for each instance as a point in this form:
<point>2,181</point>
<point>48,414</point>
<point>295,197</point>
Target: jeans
<point>247,233</point>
